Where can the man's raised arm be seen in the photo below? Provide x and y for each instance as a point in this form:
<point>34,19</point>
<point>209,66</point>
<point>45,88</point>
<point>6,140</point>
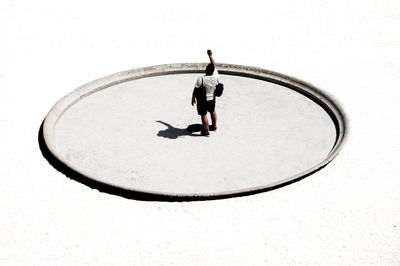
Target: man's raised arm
<point>209,52</point>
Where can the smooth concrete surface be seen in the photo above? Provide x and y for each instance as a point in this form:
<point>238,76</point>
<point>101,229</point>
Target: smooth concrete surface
<point>132,134</point>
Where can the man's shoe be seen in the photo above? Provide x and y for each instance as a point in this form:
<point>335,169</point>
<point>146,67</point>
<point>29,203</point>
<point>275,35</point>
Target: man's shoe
<point>204,133</point>
<point>212,128</point>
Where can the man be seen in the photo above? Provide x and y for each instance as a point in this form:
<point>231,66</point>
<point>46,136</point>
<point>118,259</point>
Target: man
<point>206,103</point>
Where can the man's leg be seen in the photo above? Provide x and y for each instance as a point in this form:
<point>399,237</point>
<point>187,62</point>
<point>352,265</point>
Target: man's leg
<point>214,119</point>
<point>204,121</point>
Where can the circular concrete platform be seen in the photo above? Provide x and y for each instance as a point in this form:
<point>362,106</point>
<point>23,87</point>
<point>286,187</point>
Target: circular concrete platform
<point>128,132</point>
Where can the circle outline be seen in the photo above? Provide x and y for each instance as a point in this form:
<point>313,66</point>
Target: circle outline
<point>326,101</point>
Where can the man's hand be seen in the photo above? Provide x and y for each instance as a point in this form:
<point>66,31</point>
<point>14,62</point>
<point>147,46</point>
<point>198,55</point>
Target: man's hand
<point>209,52</point>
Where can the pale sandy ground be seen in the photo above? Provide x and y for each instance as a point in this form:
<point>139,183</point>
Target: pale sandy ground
<point>348,213</point>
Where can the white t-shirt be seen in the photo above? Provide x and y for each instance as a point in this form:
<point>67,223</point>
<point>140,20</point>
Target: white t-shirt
<point>209,83</point>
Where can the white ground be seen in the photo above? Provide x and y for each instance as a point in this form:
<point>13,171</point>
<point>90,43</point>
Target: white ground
<point>348,213</point>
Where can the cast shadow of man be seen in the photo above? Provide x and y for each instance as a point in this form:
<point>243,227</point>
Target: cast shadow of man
<point>174,133</point>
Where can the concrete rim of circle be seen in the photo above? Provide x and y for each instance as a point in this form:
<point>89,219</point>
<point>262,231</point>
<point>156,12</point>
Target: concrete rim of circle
<point>327,102</point>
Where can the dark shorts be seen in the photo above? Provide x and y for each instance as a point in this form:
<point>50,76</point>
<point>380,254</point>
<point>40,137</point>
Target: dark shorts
<point>205,106</point>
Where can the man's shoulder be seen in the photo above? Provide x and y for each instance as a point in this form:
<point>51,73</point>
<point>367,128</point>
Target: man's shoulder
<point>199,81</point>
<point>200,78</point>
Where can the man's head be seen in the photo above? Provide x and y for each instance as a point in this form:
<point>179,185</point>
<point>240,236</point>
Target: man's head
<point>209,69</point>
